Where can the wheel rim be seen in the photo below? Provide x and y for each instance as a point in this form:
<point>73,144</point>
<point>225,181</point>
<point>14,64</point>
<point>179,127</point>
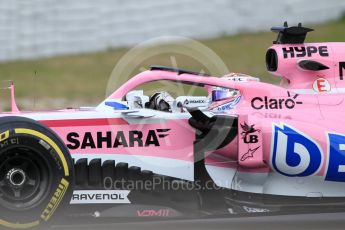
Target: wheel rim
<point>24,178</point>
<point>17,178</point>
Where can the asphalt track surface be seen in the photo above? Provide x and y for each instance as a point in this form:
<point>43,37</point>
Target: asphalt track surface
<point>323,221</point>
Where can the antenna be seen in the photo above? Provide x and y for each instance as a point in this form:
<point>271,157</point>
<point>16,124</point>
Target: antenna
<point>34,89</point>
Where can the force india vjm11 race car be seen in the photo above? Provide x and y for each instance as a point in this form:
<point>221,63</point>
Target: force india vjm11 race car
<point>254,145</point>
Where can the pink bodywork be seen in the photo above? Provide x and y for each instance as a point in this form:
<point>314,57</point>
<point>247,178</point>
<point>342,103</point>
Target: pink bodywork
<point>262,107</point>
<point>311,118</point>
<point>330,54</point>
<point>319,114</point>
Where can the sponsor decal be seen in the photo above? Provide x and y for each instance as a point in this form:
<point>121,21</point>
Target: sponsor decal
<point>294,154</point>
<point>100,197</point>
<point>5,140</point>
<point>255,210</point>
<point>249,154</point>
<point>250,137</point>
<point>275,104</point>
<point>134,138</point>
<point>229,105</point>
<point>197,101</point>
<point>154,213</point>
<point>5,135</point>
<point>194,101</point>
<point>240,77</point>
<point>272,115</point>
<point>305,51</point>
<point>321,85</point>
<point>341,70</point>
<point>248,133</point>
<point>336,151</point>
<point>55,200</point>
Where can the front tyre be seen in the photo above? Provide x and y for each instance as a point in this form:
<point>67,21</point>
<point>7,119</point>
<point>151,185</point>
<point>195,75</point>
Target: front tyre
<point>36,173</point>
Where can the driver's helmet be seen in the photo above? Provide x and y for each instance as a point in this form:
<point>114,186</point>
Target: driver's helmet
<point>222,99</point>
<point>219,94</point>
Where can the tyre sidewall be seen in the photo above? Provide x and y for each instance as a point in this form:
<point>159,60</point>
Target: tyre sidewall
<point>17,132</point>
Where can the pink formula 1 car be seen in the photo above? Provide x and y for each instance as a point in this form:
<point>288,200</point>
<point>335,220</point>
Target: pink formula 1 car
<point>253,144</point>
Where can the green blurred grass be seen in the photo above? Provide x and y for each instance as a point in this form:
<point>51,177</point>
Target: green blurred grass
<point>83,78</point>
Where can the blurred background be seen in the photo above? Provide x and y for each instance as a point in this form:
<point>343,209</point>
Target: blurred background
<point>62,53</point>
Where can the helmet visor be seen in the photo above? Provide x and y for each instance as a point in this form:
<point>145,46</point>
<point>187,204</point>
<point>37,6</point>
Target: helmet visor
<point>218,95</point>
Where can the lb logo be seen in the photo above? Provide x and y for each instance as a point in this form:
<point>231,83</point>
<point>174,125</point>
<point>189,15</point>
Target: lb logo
<point>294,154</point>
